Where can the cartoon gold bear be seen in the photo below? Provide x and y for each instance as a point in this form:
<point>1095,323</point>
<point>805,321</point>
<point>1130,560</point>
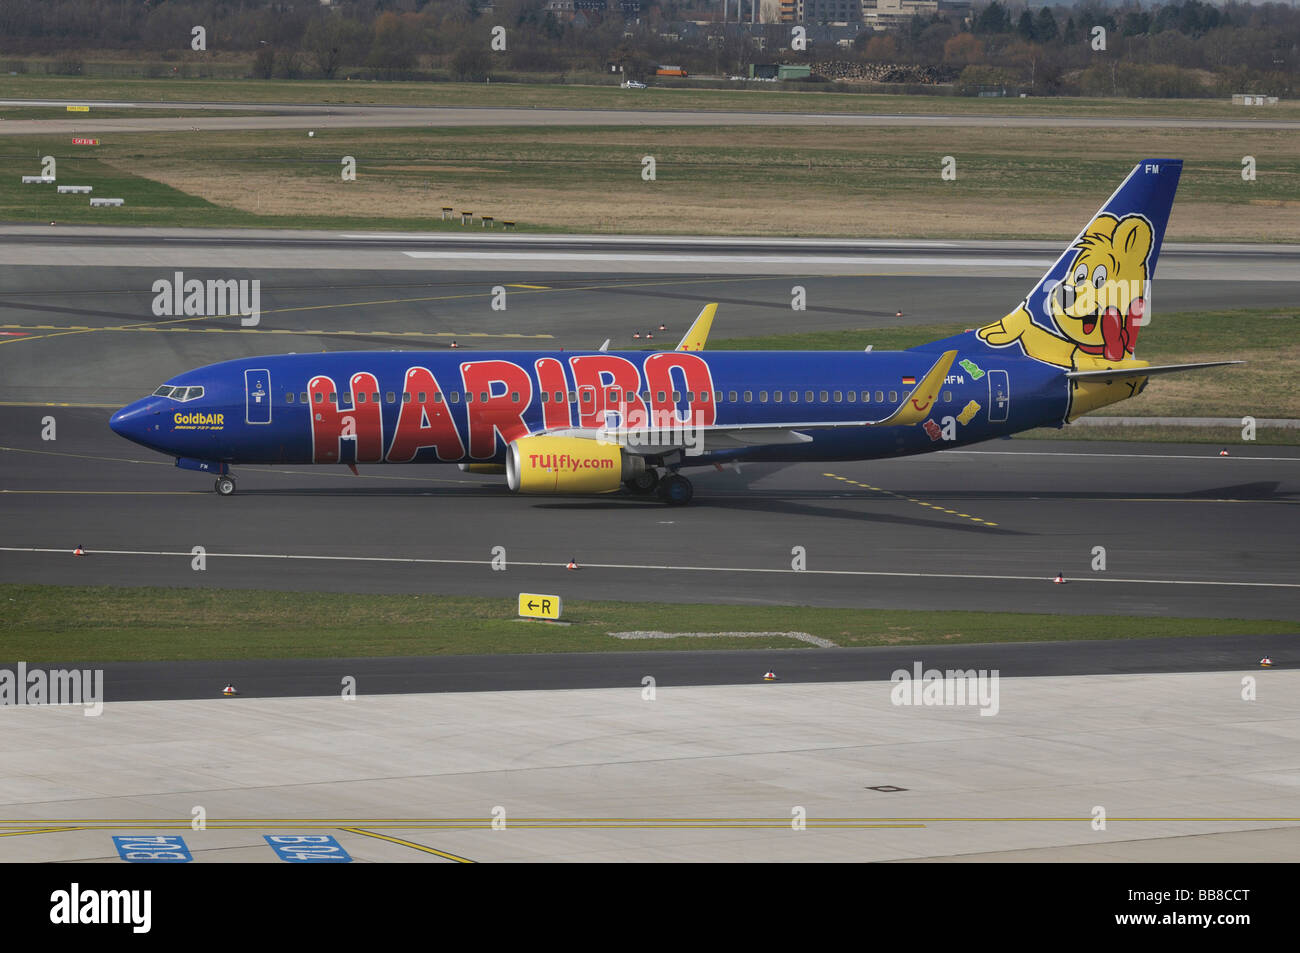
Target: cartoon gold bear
<point>1098,306</point>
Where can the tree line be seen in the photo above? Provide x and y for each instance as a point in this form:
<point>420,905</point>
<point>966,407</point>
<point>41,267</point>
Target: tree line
<point>1180,48</point>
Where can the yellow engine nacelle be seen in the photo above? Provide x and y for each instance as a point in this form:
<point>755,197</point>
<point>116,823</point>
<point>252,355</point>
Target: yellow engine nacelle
<point>568,465</point>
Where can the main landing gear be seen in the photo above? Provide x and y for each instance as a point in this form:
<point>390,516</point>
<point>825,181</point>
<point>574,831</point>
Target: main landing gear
<point>673,488</point>
<point>225,485</point>
<point>676,490</point>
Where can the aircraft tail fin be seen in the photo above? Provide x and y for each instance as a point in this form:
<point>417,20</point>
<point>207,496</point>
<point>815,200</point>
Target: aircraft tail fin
<point>1087,310</point>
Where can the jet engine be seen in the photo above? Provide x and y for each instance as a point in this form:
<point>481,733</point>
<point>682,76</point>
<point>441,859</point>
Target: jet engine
<point>568,465</point>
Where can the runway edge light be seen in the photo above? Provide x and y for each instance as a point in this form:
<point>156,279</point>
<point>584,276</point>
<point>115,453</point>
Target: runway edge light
<point>535,605</point>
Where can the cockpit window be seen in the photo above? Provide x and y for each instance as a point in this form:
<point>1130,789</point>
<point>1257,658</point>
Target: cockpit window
<point>179,393</point>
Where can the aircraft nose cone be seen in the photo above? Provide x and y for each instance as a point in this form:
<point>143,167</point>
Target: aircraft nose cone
<point>130,421</point>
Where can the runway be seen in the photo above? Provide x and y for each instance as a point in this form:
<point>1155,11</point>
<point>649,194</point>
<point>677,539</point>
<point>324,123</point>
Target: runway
<point>332,116</point>
<point>1187,532</point>
<point>27,246</point>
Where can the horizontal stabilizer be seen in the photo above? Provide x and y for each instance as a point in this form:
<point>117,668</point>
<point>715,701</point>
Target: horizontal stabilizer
<point>1138,370</point>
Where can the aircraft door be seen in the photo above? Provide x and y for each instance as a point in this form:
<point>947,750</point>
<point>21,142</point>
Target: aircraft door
<point>257,397</point>
<point>999,396</point>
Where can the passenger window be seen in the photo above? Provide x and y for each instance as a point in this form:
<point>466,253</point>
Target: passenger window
<point>586,396</point>
<point>762,396</point>
<point>661,396</point>
<point>893,396</point>
<point>794,397</point>
<point>302,398</point>
<point>645,396</point>
<point>347,398</point>
<point>839,396</point>
<point>437,397</point>
<point>546,397</point>
<point>704,396</point>
<point>677,395</point>
<point>514,397</point>
<point>825,397</point>
<point>749,397</point>
<point>422,397</point>
<point>731,396</point>
<point>777,396</point>
<point>482,397</point>
<point>406,396</point>
<point>572,396</point>
<point>454,397</point>
<point>334,397</point>
<point>469,397</point>
<point>880,396</point>
<point>317,397</point>
<point>853,396</point>
<point>717,397</point>
<point>289,397</point>
<point>361,397</point>
<point>947,396</point>
<point>390,396</point>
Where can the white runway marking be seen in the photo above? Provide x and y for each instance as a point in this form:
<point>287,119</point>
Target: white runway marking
<point>659,257</point>
<point>723,569</point>
<point>1210,455</point>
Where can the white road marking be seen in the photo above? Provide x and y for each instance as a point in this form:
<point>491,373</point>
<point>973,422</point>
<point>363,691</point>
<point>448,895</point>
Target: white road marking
<point>558,565</point>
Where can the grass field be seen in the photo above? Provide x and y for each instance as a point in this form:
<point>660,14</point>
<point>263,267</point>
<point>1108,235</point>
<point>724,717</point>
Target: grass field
<point>875,182</point>
<point>765,98</point>
<point>58,623</point>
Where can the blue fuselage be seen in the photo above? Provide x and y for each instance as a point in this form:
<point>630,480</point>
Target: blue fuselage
<point>459,406</point>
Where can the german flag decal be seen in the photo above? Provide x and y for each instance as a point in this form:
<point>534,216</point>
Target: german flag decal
<point>909,380</point>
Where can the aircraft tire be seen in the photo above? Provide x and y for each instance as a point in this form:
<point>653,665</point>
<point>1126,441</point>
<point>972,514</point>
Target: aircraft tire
<point>224,486</point>
<point>676,490</point>
<point>643,483</point>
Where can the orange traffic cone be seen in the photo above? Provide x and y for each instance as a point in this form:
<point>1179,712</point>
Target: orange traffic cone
<point>770,677</point>
<point>78,551</point>
<point>572,565</point>
<point>1060,579</point>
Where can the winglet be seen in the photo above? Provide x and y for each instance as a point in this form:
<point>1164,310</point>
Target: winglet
<point>916,405</point>
<point>699,332</point>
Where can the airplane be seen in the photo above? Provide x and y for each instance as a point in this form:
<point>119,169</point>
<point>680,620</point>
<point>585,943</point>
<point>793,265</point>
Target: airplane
<point>591,422</point>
